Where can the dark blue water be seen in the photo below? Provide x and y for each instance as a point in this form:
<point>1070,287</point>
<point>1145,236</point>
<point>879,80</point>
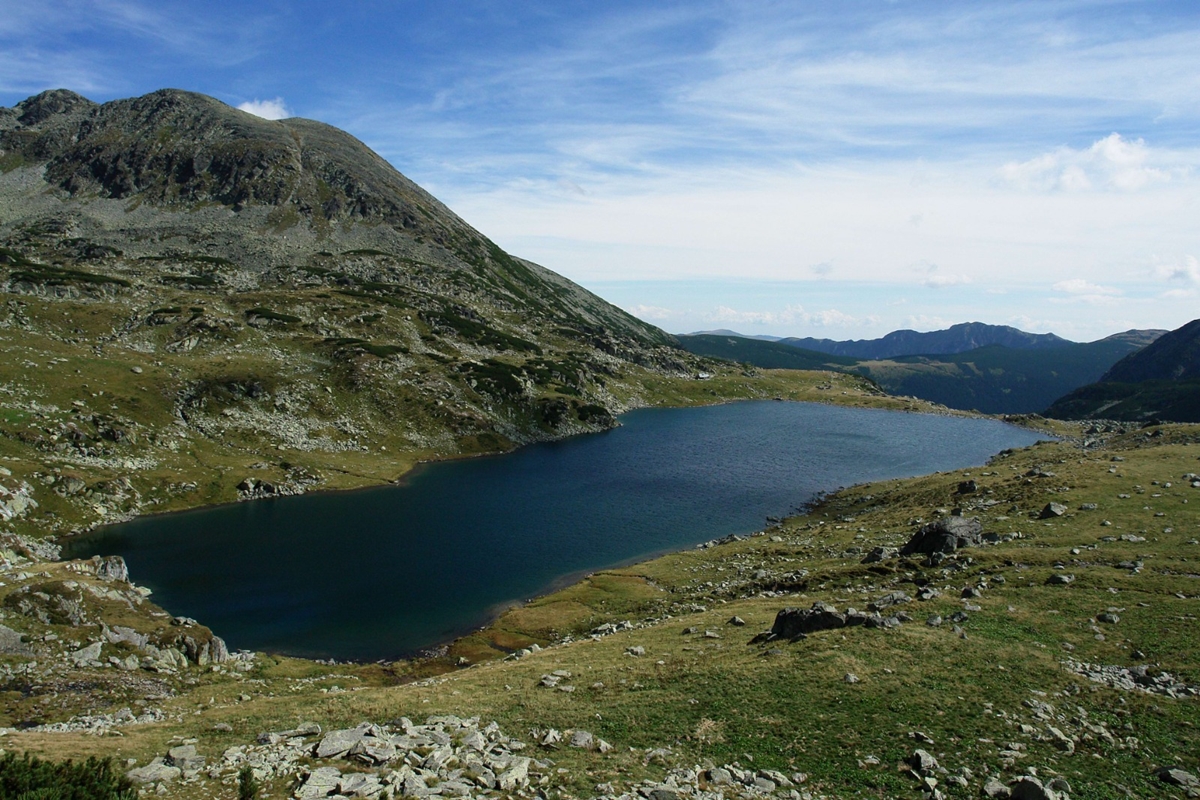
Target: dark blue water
<point>384,572</point>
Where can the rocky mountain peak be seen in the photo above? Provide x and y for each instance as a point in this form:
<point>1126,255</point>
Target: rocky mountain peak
<point>51,103</point>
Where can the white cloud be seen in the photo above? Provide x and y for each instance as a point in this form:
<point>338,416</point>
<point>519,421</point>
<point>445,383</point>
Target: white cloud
<point>649,313</point>
<point>935,279</point>
<point>1080,286</point>
<point>267,109</point>
<point>1110,163</point>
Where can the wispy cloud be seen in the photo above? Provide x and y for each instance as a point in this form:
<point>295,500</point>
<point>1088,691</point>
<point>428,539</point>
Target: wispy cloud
<point>1082,287</point>
<point>794,315</point>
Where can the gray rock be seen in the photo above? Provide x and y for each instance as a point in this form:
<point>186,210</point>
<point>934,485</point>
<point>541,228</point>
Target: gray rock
<point>336,744</point>
<point>515,777</point>
<point>877,554</point>
<point>86,655</point>
<point>719,776</point>
<point>738,621</point>
<point>1177,777</point>
<point>850,677</point>
<point>11,644</point>
<point>185,757</point>
<point>994,789</point>
<point>636,650</point>
<point>372,750</point>
<point>922,762</point>
<point>111,568</point>
<point>157,771</point>
<point>792,623</point>
<point>321,782</point>
<point>888,600</point>
<point>1052,510</point>
<point>1059,579</point>
<point>945,536</point>
<point>583,740</point>
<point>120,633</point>
<point>1028,787</point>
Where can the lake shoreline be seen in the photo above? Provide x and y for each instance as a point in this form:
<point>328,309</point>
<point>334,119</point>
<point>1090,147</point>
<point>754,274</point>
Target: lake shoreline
<point>665,518</point>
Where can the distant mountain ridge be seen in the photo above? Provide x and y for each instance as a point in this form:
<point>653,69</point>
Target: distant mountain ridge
<point>993,379</point>
<point>956,339</point>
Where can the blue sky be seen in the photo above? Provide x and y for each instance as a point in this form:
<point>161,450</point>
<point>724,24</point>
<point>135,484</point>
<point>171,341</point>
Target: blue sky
<point>831,169</point>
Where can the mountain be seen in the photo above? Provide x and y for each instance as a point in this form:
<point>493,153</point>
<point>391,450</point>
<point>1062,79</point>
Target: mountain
<point>1161,381</point>
<point>236,307</point>
<point>955,339</point>
<point>1174,356</point>
<point>765,354</point>
<point>992,379</point>
<point>997,379</point>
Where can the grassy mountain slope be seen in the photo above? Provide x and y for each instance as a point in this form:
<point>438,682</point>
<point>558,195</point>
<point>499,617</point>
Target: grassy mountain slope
<point>1160,382</point>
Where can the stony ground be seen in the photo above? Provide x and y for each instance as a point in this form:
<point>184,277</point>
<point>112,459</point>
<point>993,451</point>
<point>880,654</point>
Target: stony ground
<point>1053,655</point>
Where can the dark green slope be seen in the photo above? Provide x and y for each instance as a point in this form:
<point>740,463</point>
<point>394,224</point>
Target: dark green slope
<point>1161,382</point>
<point>997,379</point>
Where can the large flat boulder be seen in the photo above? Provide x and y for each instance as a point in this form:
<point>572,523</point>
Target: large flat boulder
<point>945,536</point>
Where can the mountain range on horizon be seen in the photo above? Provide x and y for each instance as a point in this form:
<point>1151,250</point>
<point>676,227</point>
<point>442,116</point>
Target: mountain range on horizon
<point>958,338</point>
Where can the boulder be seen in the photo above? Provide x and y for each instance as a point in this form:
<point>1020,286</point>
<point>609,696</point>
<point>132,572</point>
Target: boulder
<point>583,740</point>
<point>321,782</point>
<point>86,655</point>
<point>336,744</point>
<point>793,623</point>
<point>995,790</point>
<point>1028,787</point>
<point>185,757</point>
<point>157,771</point>
<point>11,644</point>
<point>888,600</point>
<point>945,536</point>
<point>922,762</point>
<point>1052,510</point>
<point>881,553</point>
<point>111,568</point>
<point>515,777</point>
<point>1177,777</point>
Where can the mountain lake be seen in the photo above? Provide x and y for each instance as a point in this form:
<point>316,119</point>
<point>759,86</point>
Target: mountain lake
<point>384,572</point>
